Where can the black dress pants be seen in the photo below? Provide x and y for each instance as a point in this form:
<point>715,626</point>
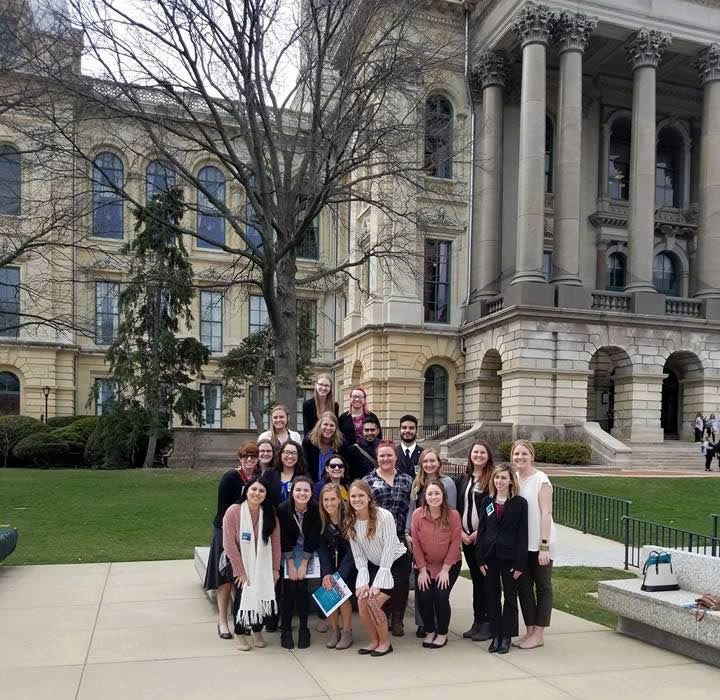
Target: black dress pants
<point>434,603</point>
<point>478,583</point>
<point>239,629</point>
<point>502,613</point>
<point>294,596</point>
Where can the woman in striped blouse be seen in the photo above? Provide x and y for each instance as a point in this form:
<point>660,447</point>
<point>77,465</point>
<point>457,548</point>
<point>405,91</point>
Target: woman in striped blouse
<point>381,561</point>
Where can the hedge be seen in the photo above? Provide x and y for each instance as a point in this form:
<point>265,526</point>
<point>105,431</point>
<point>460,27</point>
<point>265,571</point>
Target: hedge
<point>555,452</point>
<point>44,450</point>
<point>13,429</point>
<point>63,421</point>
<point>79,431</point>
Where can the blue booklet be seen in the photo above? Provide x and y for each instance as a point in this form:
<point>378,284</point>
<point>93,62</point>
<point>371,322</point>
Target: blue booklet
<point>330,601</point>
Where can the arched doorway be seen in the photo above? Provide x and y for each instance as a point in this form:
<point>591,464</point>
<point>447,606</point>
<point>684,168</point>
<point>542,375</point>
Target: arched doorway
<point>490,395</point>
<point>9,394</point>
<point>605,365</point>
<point>682,394</point>
<point>435,398</point>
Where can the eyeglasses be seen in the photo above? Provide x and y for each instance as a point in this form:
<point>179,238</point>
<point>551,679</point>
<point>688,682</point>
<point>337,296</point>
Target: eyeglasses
<point>357,396</point>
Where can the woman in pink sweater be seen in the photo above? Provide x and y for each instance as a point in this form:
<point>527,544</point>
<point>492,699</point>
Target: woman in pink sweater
<point>251,540</point>
<point>436,531</point>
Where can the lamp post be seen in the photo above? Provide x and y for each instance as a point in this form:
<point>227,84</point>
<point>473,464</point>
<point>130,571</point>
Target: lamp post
<point>46,393</point>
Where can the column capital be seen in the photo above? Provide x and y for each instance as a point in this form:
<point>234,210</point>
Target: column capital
<point>491,68</point>
<point>708,63</point>
<point>572,31</point>
<point>533,24</point>
<point>646,48</point>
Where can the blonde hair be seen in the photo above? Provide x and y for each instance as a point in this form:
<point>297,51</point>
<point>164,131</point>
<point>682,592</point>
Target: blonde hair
<point>273,435</point>
<point>324,516</point>
<point>527,445</point>
<point>328,399</point>
<point>422,479</point>
<point>351,515</point>
<point>315,435</point>
<point>513,487</point>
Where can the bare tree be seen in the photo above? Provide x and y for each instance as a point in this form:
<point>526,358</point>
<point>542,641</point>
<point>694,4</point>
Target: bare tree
<point>306,106</point>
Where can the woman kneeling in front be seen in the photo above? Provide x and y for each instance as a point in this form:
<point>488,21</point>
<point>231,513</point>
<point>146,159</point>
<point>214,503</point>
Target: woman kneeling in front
<point>381,561</point>
<point>436,546</point>
<point>501,554</point>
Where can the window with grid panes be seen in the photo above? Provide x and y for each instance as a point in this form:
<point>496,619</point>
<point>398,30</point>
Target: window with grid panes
<point>258,313</point>
<point>211,320</point>
<point>437,281</point>
<point>107,317</point>
<point>9,302</point>
<point>307,327</point>
<point>212,400</point>
<point>105,391</point>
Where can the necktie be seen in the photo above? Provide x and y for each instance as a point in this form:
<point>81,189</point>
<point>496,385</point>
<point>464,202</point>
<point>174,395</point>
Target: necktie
<point>407,454</point>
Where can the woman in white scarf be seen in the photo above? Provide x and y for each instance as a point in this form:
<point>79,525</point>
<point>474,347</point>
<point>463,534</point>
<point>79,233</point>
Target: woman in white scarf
<point>251,540</point>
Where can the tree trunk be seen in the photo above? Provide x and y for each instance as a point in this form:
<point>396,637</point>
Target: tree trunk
<point>285,332</point>
<point>153,387</point>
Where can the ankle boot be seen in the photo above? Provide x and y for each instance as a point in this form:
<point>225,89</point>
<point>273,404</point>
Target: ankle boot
<point>495,645</point>
<point>504,646</point>
<point>473,630</point>
<point>286,639</point>
<point>304,637</point>
<point>483,633</point>
<point>346,640</point>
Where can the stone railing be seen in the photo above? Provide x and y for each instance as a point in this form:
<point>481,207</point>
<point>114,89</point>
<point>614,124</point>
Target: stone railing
<point>495,305</point>
<point>683,307</point>
<point>611,301</point>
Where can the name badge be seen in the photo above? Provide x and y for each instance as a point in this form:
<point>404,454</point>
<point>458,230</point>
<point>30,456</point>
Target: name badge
<point>246,537</point>
<point>489,508</point>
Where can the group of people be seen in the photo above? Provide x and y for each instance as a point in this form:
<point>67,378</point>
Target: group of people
<point>707,433</point>
<point>343,502</point>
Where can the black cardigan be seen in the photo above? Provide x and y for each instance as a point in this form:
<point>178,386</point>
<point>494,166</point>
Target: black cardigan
<point>230,490</point>
<point>335,554</point>
<point>348,427</point>
<point>289,529</point>
<point>505,537</point>
<point>461,484</point>
<point>310,416</point>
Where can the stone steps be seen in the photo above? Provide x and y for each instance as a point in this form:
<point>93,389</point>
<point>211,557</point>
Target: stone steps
<point>671,454</point>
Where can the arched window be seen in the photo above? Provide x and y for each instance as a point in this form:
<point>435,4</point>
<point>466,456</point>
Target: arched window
<point>9,394</point>
<point>435,404</point>
<point>668,168</point>
<point>616,272</point>
<point>9,181</point>
<point>160,177</point>
<point>108,214</point>
<point>438,136</point>
<point>549,142</point>
<point>665,275</point>
<point>210,223</point>
<point>619,160</point>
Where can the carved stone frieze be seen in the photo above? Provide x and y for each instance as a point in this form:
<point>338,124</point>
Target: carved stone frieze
<point>491,68</point>
<point>571,31</point>
<point>708,63</point>
<point>646,48</point>
<point>534,23</point>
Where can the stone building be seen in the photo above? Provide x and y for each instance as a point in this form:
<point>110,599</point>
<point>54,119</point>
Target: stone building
<point>572,274</point>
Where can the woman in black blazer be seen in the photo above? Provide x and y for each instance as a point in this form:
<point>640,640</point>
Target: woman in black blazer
<point>501,554</point>
<point>318,403</point>
<point>472,487</point>
<point>299,519</point>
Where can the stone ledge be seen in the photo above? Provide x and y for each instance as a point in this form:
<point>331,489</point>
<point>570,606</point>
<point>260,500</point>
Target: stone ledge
<point>200,562</point>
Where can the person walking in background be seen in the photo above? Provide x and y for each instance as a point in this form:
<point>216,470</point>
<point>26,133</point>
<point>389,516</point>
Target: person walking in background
<point>230,490</point>
<point>699,426</point>
<point>535,592</point>
<point>709,450</point>
<point>391,490</point>
<point>324,441</point>
<point>501,552</point>
<point>289,464</point>
<point>320,402</point>
<point>336,557</point>
<point>251,539</point>
<point>381,561</point>
<point>351,422</point>
<point>362,455</point>
<point>436,549</point>
<point>472,487</point>
<point>299,519</point>
<point>408,451</point>
<point>336,470</point>
<point>279,432</point>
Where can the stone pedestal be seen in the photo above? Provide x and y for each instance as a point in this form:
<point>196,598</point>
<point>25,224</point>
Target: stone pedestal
<point>572,297</point>
<point>529,294</point>
<point>648,303</point>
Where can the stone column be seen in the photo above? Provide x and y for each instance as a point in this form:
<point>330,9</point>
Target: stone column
<point>532,25</point>
<point>644,51</point>
<point>489,73</point>
<point>601,265</point>
<point>571,33</point>
<point>707,279</point>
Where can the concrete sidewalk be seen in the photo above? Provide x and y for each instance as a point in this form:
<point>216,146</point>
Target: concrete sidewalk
<point>146,631</point>
<point>576,549</point>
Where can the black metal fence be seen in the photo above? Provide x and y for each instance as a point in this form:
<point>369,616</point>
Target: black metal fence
<point>590,512</point>
<point>429,432</point>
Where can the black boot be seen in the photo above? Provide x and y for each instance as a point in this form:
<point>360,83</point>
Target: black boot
<point>504,646</point>
<point>304,637</point>
<point>495,645</point>
<point>468,634</point>
<point>286,639</point>
<point>483,633</point>
<point>420,632</point>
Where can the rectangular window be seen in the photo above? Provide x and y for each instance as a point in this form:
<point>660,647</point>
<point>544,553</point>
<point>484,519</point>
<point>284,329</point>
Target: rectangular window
<point>9,302</point>
<point>258,313</point>
<point>211,320</point>
<point>105,391</point>
<point>252,223</point>
<point>307,327</point>
<point>212,399</point>
<point>310,244</point>
<point>437,281</point>
<point>107,317</point>
<point>306,394</point>
<point>265,399</point>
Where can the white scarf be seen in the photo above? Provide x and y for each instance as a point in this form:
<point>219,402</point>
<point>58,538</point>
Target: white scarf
<point>257,600</point>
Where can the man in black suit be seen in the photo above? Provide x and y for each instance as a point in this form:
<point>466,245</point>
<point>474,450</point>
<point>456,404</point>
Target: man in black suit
<point>408,451</point>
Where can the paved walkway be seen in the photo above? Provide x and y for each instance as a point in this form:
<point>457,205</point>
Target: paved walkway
<point>146,631</point>
<point>576,549</point>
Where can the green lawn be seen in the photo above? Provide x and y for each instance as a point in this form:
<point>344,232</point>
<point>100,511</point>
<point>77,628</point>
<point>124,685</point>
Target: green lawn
<point>682,503</point>
<point>92,516</point>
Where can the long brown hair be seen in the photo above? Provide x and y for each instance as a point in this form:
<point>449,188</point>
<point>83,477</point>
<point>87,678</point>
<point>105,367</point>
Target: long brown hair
<point>513,487</point>
<point>422,479</point>
<point>351,515</point>
<point>315,435</point>
<point>324,516</point>
<point>328,404</point>
<point>444,519</point>
<point>487,469</point>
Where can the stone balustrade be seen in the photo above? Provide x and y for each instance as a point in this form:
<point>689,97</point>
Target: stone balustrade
<point>683,307</point>
<point>611,301</point>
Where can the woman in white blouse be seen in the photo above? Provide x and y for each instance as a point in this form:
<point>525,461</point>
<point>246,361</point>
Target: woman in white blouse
<point>535,589</point>
<point>380,560</point>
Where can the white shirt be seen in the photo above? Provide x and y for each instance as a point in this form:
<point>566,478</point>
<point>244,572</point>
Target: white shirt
<point>295,437</point>
<point>530,491</point>
<point>405,448</point>
<point>382,550</point>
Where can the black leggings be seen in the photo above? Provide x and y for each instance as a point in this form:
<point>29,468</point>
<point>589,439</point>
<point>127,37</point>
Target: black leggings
<point>239,629</point>
<point>294,595</point>
<point>434,603</point>
<point>478,583</point>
